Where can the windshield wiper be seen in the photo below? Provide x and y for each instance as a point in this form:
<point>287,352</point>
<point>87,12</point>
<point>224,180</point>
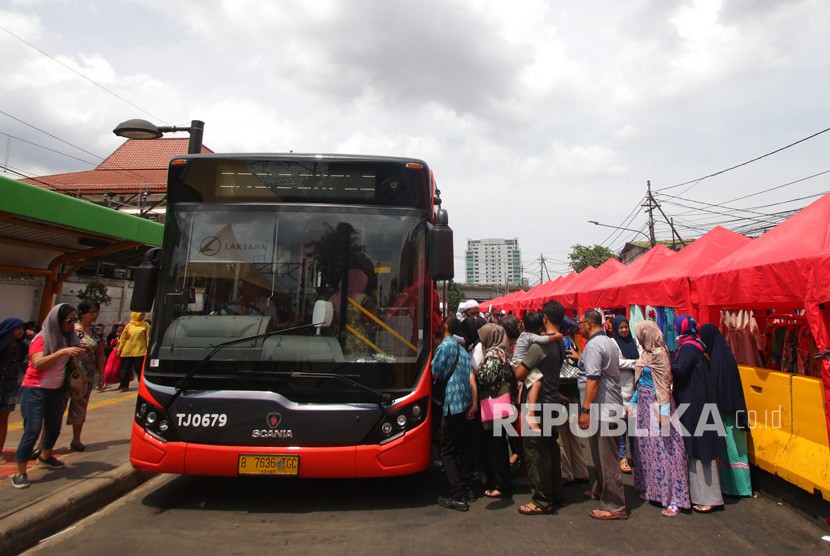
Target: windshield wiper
<point>182,384</point>
<point>384,398</point>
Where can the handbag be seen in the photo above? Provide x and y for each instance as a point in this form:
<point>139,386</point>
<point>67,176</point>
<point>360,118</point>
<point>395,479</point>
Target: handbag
<point>497,408</point>
<point>569,372</point>
<point>75,381</point>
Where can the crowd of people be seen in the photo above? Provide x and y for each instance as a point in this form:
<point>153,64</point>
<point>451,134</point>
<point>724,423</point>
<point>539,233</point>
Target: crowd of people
<point>54,369</point>
<point>676,420</point>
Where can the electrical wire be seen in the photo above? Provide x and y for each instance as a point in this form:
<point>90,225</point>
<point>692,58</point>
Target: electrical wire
<point>79,74</point>
<point>698,180</point>
<point>47,148</point>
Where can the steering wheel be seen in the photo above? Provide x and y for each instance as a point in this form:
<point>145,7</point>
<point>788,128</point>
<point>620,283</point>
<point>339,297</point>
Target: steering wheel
<point>225,309</point>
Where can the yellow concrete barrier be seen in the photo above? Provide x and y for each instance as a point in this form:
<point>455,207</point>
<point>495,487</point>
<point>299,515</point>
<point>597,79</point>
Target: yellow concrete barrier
<point>768,402</point>
<point>788,435</point>
<point>806,459</point>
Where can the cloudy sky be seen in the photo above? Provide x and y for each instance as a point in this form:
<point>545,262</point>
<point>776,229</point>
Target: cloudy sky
<point>536,116</point>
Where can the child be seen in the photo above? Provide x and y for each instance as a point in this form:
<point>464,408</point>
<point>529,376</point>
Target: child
<point>532,326</point>
<point>531,385</point>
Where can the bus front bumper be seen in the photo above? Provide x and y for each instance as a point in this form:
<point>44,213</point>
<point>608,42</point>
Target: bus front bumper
<point>406,455</point>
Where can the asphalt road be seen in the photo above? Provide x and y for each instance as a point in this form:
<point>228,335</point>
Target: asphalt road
<point>178,515</point>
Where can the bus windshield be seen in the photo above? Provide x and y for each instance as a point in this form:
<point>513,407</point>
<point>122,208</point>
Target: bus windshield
<point>239,270</point>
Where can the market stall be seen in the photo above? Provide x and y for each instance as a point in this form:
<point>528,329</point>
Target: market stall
<point>781,276</point>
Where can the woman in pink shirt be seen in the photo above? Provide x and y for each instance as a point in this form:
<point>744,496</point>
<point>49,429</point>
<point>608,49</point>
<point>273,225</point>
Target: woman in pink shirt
<point>42,391</point>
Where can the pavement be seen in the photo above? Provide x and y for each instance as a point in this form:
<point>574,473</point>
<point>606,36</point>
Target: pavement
<point>92,478</point>
<point>102,473</point>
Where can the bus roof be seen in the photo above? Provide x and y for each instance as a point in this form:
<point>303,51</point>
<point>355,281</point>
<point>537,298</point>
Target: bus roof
<point>307,156</point>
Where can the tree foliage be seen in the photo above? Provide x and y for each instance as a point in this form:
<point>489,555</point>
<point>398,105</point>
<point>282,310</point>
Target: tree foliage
<point>95,291</point>
<point>582,256</point>
<point>454,295</point>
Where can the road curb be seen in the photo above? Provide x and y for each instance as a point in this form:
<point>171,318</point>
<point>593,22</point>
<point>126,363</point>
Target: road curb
<point>25,528</point>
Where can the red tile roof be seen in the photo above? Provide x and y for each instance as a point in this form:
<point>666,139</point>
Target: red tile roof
<point>153,154</point>
<point>137,165</point>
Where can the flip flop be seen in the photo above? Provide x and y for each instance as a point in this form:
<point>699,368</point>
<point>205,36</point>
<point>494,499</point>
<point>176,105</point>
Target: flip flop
<point>602,514</point>
<point>670,511</point>
<point>532,508</point>
<point>624,466</point>
<point>495,493</point>
<point>703,509</point>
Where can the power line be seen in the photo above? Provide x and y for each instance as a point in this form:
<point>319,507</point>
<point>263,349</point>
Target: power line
<point>625,223</point>
<point>50,135</point>
<point>79,74</point>
<point>698,180</point>
<point>119,169</point>
<point>48,149</point>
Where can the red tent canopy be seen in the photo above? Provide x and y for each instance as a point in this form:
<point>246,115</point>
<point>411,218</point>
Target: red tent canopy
<point>669,282</point>
<point>521,305</point>
<point>549,293</point>
<point>568,297</point>
<point>787,267</point>
<point>611,292</point>
<point>510,302</point>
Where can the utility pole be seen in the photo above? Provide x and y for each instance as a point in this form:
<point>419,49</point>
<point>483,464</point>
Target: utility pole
<point>543,269</point>
<point>650,209</point>
<point>669,221</point>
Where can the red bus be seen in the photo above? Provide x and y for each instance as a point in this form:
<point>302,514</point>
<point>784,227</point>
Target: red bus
<point>293,306</point>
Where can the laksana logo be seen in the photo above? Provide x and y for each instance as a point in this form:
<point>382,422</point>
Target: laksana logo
<point>272,421</point>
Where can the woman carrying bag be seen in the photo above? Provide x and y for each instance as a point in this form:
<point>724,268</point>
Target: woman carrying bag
<point>493,380</point>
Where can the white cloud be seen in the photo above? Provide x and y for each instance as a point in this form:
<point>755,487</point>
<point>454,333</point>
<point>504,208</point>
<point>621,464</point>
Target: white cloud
<point>529,112</point>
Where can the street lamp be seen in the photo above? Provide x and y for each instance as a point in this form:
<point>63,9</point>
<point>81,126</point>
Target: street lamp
<point>142,129</point>
<point>595,223</point>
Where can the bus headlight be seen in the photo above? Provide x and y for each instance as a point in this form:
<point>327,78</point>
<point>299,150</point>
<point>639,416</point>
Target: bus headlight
<point>398,421</point>
<point>154,421</point>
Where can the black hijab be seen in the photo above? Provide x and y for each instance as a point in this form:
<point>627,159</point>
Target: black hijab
<point>628,345</point>
<point>723,371</point>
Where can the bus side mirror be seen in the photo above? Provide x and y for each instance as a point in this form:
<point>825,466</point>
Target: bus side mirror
<point>323,314</point>
<point>439,248</point>
<point>146,281</point>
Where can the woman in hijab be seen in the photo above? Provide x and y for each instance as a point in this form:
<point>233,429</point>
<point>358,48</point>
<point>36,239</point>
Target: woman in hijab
<point>131,348</point>
<point>12,356</point>
<point>629,353</point>
<point>493,380</point>
<point>42,391</point>
<point>723,370</point>
<point>694,388</point>
<point>660,472</point>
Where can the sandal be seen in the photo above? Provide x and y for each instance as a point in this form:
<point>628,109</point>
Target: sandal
<point>670,511</point>
<point>624,466</point>
<point>643,496</point>
<point>589,495</point>
<point>496,493</point>
<point>602,514</point>
<point>3,460</point>
<point>703,509</point>
<point>532,508</point>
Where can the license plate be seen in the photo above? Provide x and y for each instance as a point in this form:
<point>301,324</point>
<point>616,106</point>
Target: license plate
<point>257,464</point>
